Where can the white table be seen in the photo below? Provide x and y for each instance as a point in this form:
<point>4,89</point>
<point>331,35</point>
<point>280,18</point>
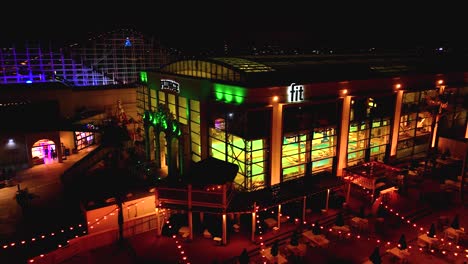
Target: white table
<point>341,230</point>
<point>427,240</point>
<point>318,240</point>
<point>299,250</point>
<point>360,223</point>
<point>280,259</point>
<point>184,230</point>
<point>400,254</point>
<point>454,233</point>
<point>270,222</point>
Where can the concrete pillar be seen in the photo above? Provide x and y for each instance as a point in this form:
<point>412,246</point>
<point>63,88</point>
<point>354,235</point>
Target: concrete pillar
<point>254,220</point>
<point>396,123</point>
<point>348,192</point>
<point>276,143</point>
<point>189,200</point>
<point>279,216</point>
<point>201,217</point>
<point>344,133</point>
<point>304,204</point>
<point>328,198</point>
<point>224,229</point>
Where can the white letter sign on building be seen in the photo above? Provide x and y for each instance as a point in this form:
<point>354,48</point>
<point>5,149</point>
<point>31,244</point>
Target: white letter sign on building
<point>170,85</point>
<point>295,93</point>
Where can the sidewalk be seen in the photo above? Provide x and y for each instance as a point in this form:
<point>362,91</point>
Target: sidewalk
<point>49,209</point>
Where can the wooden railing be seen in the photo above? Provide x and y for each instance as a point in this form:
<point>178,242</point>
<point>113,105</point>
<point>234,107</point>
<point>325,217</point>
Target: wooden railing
<point>199,197</point>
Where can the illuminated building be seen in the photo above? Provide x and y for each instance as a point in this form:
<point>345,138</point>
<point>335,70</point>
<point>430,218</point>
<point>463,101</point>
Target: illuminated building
<point>291,119</point>
<point>331,112</point>
<point>42,87</point>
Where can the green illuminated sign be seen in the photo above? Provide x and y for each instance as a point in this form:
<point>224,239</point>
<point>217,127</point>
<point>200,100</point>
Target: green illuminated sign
<point>229,93</point>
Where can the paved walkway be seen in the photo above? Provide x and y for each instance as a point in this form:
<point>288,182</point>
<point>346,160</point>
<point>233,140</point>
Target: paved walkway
<point>52,211</point>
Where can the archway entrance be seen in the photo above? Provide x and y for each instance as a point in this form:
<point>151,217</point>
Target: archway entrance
<point>44,152</point>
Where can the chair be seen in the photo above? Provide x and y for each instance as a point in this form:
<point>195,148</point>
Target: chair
<point>207,234</point>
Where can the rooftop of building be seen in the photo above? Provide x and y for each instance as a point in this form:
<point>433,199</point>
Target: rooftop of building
<point>258,71</point>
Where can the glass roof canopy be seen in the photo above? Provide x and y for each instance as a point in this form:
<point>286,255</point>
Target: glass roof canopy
<point>245,65</point>
<point>226,69</point>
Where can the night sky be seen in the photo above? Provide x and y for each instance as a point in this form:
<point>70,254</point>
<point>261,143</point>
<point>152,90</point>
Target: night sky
<point>199,28</point>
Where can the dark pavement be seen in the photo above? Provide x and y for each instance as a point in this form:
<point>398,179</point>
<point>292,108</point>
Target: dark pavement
<point>147,247</point>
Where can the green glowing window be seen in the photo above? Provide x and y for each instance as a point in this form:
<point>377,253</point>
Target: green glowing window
<point>143,76</point>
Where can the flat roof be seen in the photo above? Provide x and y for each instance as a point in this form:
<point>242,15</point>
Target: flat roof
<point>253,71</point>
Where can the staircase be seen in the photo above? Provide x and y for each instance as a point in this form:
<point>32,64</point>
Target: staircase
<point>83,165</point>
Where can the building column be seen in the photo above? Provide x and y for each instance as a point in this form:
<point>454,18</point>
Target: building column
<point>279,216</point>
<point>327,200</point>
<point>254,220</point>
<point>304,205</point>
<point>189,200</point>
<point>344,133</point>
<point>276,143</point>
<point>348,192</point>
<point>224,229</point>
<point>159,225</point>
<point>396,124</point>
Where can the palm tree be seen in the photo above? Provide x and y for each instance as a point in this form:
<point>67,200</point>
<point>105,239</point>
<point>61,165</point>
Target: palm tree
<point>362,213</point>
<point>381,212</point>
<point>375,256</point>
<point>275,248</point>
<point>431,231</point>
<point>23,197</point>
<point>165,121</point>
<point>339,219</point>
<point>455,223</point>
<point>244,257</point>
<point>316,229</point>
<point>402,243</point>
<point>295,238</point>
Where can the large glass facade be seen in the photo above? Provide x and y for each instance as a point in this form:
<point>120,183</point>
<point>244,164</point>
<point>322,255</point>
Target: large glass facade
<point>323,149</point>
<point>249,155</point>
<point>317,148</point>
<point>183,111</point>
<point>415,129</point>
<point>369,130</point>
<point>294,159</point>
<point>142,100</point>
<point>452,122</point>
<point>195,130</point>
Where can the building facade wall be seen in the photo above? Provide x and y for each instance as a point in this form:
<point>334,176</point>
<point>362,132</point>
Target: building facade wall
<point>306,131</point>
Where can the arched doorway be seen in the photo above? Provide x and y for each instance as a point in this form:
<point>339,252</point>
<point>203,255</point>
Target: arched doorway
<point>44,152</point>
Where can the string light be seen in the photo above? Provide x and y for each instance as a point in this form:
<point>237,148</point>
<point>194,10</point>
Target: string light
<point>71,228</point>
<point>457,247</point>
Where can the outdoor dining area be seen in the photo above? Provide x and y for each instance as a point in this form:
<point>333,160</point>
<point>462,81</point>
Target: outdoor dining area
<point>375,177</point>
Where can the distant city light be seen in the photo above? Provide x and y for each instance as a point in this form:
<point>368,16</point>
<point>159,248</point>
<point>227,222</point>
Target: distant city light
<point>28,81</point>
